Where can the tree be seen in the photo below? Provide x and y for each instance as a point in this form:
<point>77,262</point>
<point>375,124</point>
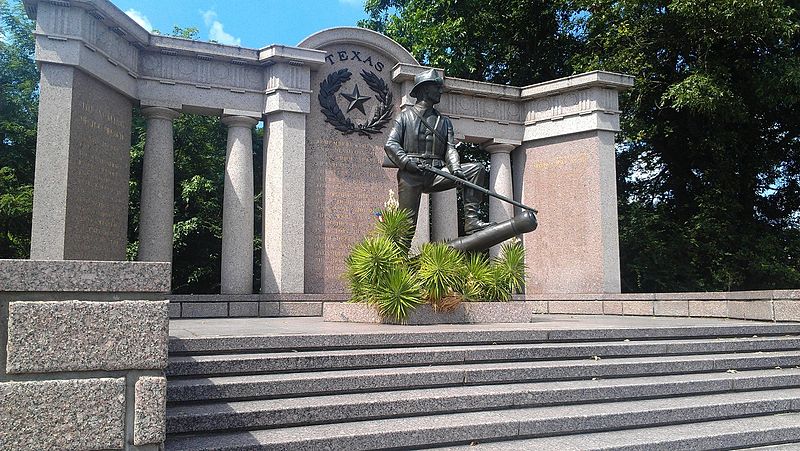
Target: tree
<point>708,157</point>
<point>19,97</point>
<point>709,193</point>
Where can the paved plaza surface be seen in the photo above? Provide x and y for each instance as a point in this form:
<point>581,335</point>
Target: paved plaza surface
<point>246,327</point>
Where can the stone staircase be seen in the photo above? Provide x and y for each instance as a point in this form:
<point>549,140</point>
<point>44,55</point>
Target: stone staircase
<point>634,388</point>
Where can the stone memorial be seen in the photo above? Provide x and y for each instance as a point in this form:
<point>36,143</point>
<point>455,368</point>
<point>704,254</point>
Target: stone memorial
<point>326,106</point>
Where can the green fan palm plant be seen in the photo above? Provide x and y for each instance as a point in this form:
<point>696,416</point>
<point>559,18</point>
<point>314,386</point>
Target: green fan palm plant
<point>368,265</point>
<point>398,293</point>
<point>441,269</point>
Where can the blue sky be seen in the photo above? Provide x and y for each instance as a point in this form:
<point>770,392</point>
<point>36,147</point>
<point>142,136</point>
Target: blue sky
<point>248,23</point>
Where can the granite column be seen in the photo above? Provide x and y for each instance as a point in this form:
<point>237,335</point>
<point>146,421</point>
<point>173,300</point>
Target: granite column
<point>500,181</point>
<point>158,191</point>
<point>237,209</point>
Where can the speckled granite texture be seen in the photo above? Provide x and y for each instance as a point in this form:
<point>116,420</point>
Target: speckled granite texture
<point>466,312</point>
<point>63,414</point>
<point>81,336</point>
<point>149,421</point>
<point>84,276</point>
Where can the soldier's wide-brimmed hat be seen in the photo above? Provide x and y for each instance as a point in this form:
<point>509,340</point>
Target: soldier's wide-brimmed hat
<point>429,76</point>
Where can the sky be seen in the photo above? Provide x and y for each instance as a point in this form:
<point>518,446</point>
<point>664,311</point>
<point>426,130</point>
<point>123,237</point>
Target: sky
<point>247,23</point>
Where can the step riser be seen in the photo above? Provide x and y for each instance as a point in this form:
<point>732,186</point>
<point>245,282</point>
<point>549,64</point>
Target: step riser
<point>271,364</point>
<point>457,376</point>
<point>479,401</point>
<point>504,425</point>
<point>368,340</point>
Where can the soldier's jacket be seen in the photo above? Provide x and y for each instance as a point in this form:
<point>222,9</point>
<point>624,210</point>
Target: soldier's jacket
<point>410,139</point>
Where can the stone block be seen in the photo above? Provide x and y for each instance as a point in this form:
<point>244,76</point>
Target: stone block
<point>204,310</point>
<point>269,309</point>
<point>538,307</point>
<point>612,307</point>
<point>63,414</point>
<point>671,308</point>
<point>150,404</point>
<point>300,309</point>
<point>243,309</point>
<point>637,308</point>
<point>84,276</point>
<point>760,310</point>
<point>575,307</point>
<point>787,310</point>
<point>83,336</point>
<point>174,310</point>
<point>347,312</point>
<point>708,308</point>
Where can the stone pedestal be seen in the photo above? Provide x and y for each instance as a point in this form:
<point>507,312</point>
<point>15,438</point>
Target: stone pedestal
<point>500,181</point>
<point>237,213</point>
<point>571,181</point>
<point>158,191</point>
<point>284,203</point>
<point>80,203</point>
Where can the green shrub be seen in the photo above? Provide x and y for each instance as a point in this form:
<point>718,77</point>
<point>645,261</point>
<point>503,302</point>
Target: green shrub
<point>381,272</point>
<point>398,293</point>
<point>441,270</point>
<point>368,265</point>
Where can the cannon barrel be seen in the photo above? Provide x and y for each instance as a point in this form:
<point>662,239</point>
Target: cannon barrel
<point>484,239</point>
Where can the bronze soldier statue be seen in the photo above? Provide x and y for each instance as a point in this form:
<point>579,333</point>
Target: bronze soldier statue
<point>421,136</point>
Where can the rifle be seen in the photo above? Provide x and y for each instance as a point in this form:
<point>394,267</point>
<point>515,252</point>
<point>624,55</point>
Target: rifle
<point>468,184</point>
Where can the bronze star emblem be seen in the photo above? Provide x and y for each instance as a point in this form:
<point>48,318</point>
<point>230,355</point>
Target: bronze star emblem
<point>356,100</point>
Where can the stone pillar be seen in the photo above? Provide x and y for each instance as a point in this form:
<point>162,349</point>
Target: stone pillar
<point>158,191</point>
<point>237,209</point>
<point>283,255</point>
<point>444,215</point>
<point>500,181</point>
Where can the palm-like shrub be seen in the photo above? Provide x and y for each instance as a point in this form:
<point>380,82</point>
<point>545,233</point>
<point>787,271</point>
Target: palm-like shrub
<point>381,272</point>
<point>441,269</point>
<point>511,265</point>
<point>398,293</point>
<point>477,276</point>
<point>395,225</point>
<point>368,265</point>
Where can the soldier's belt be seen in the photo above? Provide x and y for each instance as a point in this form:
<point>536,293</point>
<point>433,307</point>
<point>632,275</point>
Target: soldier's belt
<point>432,161</point>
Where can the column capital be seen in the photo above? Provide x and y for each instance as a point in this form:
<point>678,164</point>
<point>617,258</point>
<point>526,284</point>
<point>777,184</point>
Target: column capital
<point>160,112</point>
<point>239,121</point>
<point>499,147</point>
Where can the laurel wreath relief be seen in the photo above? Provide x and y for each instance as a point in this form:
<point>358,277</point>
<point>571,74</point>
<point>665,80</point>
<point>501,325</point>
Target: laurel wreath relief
<point>333,114</point>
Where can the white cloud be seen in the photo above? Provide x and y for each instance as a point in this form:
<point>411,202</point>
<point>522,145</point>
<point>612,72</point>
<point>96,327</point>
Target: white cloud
<point>216,31</point>
<point>140,18</point>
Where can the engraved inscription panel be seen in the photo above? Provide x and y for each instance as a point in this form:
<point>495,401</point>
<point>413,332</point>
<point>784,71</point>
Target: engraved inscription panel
<point>345,183</point>
<point>99,167</point>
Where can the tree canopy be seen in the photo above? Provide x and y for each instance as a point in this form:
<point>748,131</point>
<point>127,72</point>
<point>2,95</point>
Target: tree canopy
<point>708,157</point>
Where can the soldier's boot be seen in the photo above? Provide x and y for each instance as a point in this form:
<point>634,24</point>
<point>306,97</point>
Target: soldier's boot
<point>472,219</point>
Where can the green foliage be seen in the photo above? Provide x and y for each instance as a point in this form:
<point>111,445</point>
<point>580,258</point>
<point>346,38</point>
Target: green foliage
<point>19,102</point>
<point>510,267</point>
<point>478,276</point>
<point>398,293</point>
<point>441,269</point>
<point>380,271</point>
<point>369,264</point>
<point>396,226</point>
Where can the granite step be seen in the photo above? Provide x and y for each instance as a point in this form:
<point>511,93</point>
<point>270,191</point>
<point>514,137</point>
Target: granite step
<point>378,379</point>
<point>213,365</point>
<point>751,433</point>
<point>489,335</point>
<point>363,406</point>
<point>467,427</point>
